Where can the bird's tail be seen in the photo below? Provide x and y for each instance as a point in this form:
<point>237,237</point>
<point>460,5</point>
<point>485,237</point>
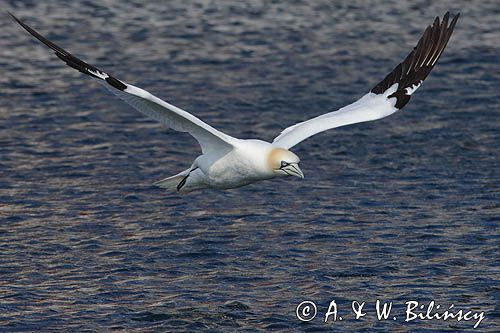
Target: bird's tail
<point>171,183</point>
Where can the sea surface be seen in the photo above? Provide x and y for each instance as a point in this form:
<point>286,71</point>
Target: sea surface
<point>402,209</point>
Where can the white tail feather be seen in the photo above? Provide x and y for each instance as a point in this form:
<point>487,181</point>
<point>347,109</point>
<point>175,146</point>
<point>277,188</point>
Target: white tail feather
<point>170,183</point>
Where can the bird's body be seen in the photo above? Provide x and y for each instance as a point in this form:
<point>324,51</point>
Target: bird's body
<point>227,162</point>
<point>248,162</point>
<point>245,164</point>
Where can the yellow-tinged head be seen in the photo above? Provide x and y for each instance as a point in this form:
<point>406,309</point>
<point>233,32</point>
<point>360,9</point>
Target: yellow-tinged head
<point>284,163</point>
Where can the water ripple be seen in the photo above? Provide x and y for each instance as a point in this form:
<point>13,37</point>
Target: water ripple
<point>406,208</point>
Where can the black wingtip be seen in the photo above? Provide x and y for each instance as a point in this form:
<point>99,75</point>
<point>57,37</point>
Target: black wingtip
<point>454,20</point>
<point>116,83</point>
<point>419,63</point>
<point>11,15</point>
<point>70,59</point>
<point>14,17</point>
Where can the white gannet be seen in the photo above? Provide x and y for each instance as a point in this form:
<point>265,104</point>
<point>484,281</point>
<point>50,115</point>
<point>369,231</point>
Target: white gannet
<point>227,162</point>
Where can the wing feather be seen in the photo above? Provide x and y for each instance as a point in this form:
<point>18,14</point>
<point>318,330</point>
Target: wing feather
<point>173,117</point>
<point>389,95</point>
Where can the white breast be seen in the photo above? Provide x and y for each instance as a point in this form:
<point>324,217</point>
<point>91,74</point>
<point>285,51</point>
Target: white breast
<point>243,165</point>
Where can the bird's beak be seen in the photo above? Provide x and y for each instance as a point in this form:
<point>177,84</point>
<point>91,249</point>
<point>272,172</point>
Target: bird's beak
<point>293,170</point>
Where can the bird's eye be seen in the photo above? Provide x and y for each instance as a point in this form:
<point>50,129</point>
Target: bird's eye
<point>284,164</point>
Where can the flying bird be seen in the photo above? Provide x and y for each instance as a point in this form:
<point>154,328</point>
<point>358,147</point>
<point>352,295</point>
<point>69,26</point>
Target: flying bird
<point>228,162</point>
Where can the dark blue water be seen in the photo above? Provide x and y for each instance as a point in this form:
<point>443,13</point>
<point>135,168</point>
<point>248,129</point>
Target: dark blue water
<point>405,208</point>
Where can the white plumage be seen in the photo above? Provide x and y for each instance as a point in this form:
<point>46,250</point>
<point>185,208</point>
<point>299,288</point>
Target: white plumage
<point>228,162</point>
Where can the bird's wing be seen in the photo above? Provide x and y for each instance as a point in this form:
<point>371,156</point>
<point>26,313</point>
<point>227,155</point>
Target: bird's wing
<point>209,138</point>
<point>387,97</point>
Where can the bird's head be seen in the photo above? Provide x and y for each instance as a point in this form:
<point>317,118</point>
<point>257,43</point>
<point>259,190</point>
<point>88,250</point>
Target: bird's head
<point>284,163</point>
